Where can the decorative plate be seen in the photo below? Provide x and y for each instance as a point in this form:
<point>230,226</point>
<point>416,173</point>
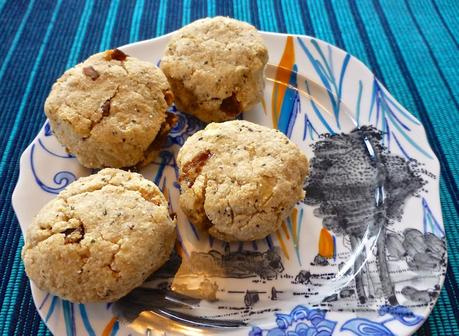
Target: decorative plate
<point>364,254</point>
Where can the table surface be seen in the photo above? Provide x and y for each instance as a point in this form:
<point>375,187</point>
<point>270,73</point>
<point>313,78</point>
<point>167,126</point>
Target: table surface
<point>411,46</point>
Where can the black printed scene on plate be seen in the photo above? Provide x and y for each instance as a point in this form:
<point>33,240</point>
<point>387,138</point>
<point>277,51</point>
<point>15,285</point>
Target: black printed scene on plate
<point>358,190</point>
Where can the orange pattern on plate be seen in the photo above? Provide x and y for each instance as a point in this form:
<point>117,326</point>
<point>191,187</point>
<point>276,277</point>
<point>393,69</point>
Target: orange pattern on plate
<point>283,74</point>
<point>109,327</point>
<point>326,244</point>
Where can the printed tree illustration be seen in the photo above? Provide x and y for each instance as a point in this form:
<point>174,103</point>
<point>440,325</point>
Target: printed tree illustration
<point>360,189</point>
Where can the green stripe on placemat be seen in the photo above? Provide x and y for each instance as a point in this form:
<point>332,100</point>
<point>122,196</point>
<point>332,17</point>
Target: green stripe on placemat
<point>412,46</point>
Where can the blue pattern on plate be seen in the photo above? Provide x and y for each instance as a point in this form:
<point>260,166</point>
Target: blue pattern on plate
<point>313,322</point>
<point>386,119</point>
<point>186,125</point>
<point>69,317</point>
<point>318,114</point>
<point>86,322</point>
<point>62,178</point>
<point>52,306</point>
<point>366,327</point>
<point>290,105</point>
<point>301,321</point>
<point>431,224</point>
<point>324,69</point>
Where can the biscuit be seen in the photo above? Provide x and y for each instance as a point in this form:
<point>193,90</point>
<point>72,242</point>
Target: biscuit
<point>108,110</point>
<point>240,180</point>
<point>215,67</point>
<point>100,237</point>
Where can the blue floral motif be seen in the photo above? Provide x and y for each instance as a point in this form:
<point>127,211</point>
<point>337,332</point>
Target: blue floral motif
<point>86,321</point>
<point>400,313</point>
<point>62,179</point>
<point>365,327</point>
<point>323,65</point>
<point>68,310</point>
<point>393,120</point>
<point>431,224</point>
<point>309,128</point>
<point>302,321</point>
<point>318,114</point>
<point>69,317</point>
<point>185,126</point>
<point>46,149</point>
<point>166,159</point>
<point>388,118</point>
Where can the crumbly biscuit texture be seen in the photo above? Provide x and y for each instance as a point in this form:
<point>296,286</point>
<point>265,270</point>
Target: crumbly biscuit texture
<point>240,180</point>
<point>100,238</point>
<point>216,68</point>
<point>108,110</point>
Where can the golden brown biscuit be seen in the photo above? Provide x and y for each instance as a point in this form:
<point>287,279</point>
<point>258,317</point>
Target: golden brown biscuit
<point>108,110</point>
<point>215,67</point>
<point>240,180</point>
<point>100,238</point>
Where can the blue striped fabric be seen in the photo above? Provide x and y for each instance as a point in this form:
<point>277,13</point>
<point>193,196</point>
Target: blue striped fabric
<point>411,45</point>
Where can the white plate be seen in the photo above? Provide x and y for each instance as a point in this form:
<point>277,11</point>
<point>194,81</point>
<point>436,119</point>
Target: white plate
<point>384,236</point>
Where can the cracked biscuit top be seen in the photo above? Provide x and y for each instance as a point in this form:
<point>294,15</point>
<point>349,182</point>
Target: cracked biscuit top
<point>108,110</point>
<point>215,67</point>
<point>100,238</point>
<point>240,180</point>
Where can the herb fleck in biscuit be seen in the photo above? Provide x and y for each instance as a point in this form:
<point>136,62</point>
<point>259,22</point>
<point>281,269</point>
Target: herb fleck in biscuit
<point>110,110</point>
<point>215,67</point>
<point>100,238</point>
<point>240,180</point>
